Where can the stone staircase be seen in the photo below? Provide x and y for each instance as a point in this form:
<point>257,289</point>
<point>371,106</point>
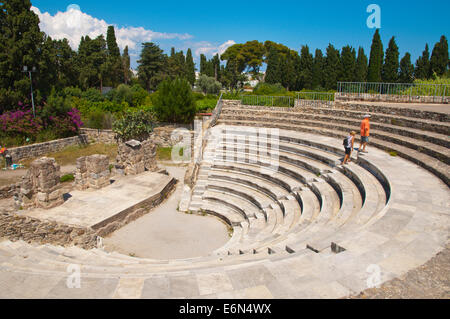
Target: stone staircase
<point>306,227</point>
<point>416,138</point>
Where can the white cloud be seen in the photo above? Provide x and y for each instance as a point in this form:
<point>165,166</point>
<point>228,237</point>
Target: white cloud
<point>73,24</point>
<point>209,49</point>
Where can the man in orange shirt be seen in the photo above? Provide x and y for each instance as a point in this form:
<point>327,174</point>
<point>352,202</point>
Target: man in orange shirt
<point>365,133</point>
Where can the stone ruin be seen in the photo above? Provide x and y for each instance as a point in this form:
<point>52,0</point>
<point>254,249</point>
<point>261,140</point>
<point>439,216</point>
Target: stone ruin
<point>134,157</point>
<point>92,172</point>
<point>41,186</point>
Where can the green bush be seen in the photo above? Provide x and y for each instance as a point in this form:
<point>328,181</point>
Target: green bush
<point>206,105</point>
<point>208,85</point>
<point>134,125</point>
<point>67,178</point>
<point>174,102</point>
<point>269,89</point>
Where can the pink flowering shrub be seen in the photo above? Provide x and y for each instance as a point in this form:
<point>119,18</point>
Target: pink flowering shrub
<point>19,126</point>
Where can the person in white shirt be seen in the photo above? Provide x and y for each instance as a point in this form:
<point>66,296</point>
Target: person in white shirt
<point>349,143</point>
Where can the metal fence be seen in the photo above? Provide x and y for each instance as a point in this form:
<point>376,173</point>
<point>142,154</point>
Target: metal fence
<point>401,91</point>
<point>261,100</point>
<point>315,99</point>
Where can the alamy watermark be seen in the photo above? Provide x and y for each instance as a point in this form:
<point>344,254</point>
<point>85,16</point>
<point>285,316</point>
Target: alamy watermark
<point>374,20</point>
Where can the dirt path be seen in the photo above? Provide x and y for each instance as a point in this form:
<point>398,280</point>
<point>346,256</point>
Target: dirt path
<point>165,233</point>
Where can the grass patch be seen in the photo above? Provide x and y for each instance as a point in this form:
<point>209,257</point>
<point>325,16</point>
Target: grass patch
<point>393,153</point>
<point>67,178</point>
<point>165,153</point>
<point>69,155</point>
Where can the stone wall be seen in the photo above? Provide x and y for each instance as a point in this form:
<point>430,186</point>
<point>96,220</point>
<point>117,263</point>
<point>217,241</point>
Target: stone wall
<point>134,157</point>
<point>41,186</point>
<point>92,172</point>
<point>391,98</point>
<point>8,191</point>
<point>161,136</point>
<point>36,150</point>
<point>99,136</point>
<point>14,226</point>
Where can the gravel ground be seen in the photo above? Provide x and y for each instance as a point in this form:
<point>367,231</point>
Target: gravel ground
<point>429,281</point>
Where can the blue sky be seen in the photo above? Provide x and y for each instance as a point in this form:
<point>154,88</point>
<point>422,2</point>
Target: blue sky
<point>211,26</point>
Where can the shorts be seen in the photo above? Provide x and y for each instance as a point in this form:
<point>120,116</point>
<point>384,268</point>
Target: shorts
<point>365,139</point>
<point>348,151</point>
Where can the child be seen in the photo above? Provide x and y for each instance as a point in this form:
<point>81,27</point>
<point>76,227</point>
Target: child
<point>348,145</point>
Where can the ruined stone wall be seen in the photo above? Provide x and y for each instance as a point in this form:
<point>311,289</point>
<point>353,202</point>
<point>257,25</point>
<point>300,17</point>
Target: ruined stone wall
<point>41,186</point>
<point>134,157</point>
<point>92,172</point>
<point>36,150</point>
<point>8,191</point>
<point>161,136</point>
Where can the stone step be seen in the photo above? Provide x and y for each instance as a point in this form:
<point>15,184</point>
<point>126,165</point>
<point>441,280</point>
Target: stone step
<point>432,164</point>
<point>338,116</point>
<point>437,151</point>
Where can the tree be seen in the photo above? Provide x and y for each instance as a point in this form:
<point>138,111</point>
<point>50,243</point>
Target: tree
<point>208,85</point>
<point>20,42</point>
<point>114,68</point>
<point>305,76</point>
<point>317,72</point>
<point>92,58</point>
<point>348,64</point>
<point>190,67</point>
<point>439,58</point>
<point>235,65</point>
<point>391,64</point>
<point>332,68</point>
<point>376,59</point>
<point>406,74</point>
<point>152,66</point>
<point>177,64</point>
<point>361,66</point>
<point>174,102</point>
<point>252,53</point>
<point>273,72</point>
<point>215,63</point>
<point>126,66</point>
<point>423,66</point>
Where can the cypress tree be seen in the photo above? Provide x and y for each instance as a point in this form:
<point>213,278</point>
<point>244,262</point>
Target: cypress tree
<point>332,68</point>
<point>391,64</point>
<point>126,65</point>
<point>439,58</point>
<point>305,68</point>
<point>113,48</point>
<point>348,64</point>
<point>406,74</point>
<point>376,59</point>
<point>190,67</point>
<point>423,67</point>
<point>273,75</point>
<point>317,73</point>
<point>216,67</point>
<point>361,66</point>
<point>203,64</point>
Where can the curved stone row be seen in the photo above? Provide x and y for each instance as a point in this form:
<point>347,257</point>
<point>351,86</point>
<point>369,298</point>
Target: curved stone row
<point>312,229</point>
<point>422,141</point>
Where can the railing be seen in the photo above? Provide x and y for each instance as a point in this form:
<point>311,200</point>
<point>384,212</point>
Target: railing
<point>271,101</point>
<point>315,99</point>
<point>406,92</point>
<point>217,111</point>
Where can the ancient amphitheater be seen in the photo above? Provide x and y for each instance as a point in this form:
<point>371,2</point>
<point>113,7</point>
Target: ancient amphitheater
<point>304,226</point>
